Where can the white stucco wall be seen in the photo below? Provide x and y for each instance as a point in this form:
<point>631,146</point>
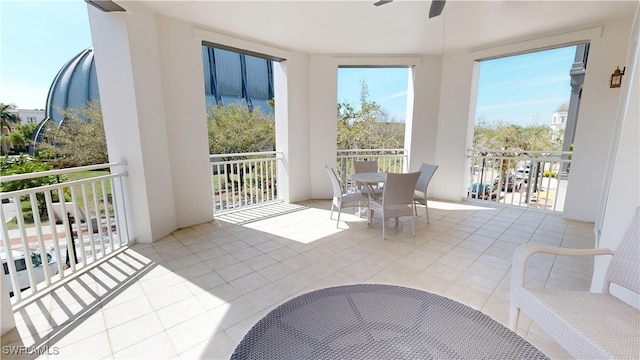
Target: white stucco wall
<point>597,115</point>
<point>453,124</point>
<point>598,108</point>
<point>280,74</point>
<point>35,114</point>
<point>422,121</point>
<point>185,121</point>
<point>129,75</point>
<point>623,190</point>
<point>323,97</point>
<point>296,144</point>
<point>154,88</point>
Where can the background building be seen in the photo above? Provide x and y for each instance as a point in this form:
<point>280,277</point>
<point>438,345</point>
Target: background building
<point>30,115</point>
<point>229,77</point>
<point>559,122</point>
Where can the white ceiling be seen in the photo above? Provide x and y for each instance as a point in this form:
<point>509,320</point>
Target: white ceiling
<point>400,27</point>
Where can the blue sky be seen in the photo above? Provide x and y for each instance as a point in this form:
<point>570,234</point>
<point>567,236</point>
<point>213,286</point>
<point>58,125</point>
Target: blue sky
<point>38,37</point>
<point>525,89</point>
<point>387,87</point>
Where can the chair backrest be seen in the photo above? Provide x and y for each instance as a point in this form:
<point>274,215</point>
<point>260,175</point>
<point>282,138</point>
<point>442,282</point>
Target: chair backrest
<point>426,172</point>
<point>624,268</point>
<point>365,166</point>
<point>335,183</point>
<point>399,188</point>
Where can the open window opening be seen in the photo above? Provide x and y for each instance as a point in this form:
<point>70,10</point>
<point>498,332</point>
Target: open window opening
<point>240,99</point>
<point>372,108</point>
<point>526,119</point>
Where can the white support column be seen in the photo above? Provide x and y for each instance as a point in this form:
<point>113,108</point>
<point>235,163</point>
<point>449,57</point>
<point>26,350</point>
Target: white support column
<point>186,121</point>
<point>281,126</point>
<point>423,102</point>
<point>323,95</point>
<point>129,77</point>
<point>291,82</point>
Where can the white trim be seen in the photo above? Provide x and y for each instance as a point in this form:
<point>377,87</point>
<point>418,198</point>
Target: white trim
<point>376,60</point>
<point>216,38</point>
<point>538,44</point>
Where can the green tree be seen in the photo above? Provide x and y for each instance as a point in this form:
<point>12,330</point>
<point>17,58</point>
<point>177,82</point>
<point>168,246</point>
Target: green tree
<point>22,135</point>
<point>8,116</point>
<point>80,140</point>
<point>513,140</point>
<point>369,128</point>
<point>23,165</point>
<point>235,129</point>
<point>501,136</point>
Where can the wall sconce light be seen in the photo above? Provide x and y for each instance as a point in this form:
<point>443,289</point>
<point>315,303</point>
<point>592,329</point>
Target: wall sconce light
<point>616,77</point>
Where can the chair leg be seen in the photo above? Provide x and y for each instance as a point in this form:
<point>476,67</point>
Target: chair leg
<point>415,208</point>
<point>514,315</point>
<point>426,209</point>
<point>384,235</point>
<point>338,222</point>
<point>413,226</point>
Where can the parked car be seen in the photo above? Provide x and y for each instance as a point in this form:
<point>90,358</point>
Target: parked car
<point>483,191</point>
<point>37,259</point>
<point>510,182</point>
<point>523,174</point>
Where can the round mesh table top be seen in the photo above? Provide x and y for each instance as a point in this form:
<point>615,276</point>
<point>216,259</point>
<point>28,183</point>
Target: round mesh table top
<point>372,321</point>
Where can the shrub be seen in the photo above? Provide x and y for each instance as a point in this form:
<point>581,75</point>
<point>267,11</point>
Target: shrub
<point>23,165</point>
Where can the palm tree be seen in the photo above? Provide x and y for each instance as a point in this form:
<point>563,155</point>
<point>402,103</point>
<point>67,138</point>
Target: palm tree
<point>8,116</point>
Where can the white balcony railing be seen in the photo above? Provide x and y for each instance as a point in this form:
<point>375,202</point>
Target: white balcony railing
<point>244,180</point>
<point>536,179</point>
<point>389,160</point>
<point>50,232</point>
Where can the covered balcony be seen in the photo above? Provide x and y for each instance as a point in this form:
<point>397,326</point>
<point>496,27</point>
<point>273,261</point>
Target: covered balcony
<point>195,293</point>
<point>190,283</point>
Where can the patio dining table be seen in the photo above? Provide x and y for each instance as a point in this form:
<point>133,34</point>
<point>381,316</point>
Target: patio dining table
<point>370,179</point>
<point>376,321</point>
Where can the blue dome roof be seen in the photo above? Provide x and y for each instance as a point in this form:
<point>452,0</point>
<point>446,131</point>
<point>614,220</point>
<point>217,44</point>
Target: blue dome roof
<point>74,86</point>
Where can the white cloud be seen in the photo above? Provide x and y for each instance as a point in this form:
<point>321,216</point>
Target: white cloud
<point>519,104</point>
<point>396,95</point>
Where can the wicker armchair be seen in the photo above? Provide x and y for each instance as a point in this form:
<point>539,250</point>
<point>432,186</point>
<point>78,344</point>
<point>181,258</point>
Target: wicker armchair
<point>588,325</point>
<point>340,199</point>
<point>396,201</point>
<point>420,194</point>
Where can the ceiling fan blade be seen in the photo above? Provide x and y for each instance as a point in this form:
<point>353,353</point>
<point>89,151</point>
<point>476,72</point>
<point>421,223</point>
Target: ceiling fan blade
<point>436,8</point>
<point>382,2</point>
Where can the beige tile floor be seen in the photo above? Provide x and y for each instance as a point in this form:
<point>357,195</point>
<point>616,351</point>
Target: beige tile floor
<point>195,293</point>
